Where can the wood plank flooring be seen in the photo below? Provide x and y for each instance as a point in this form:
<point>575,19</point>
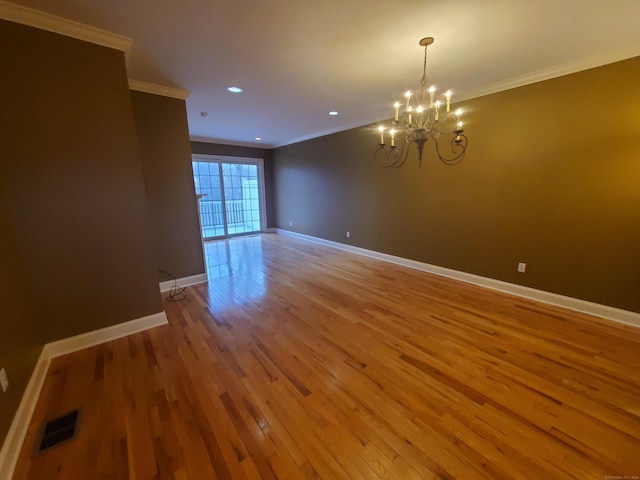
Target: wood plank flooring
<point>297,361</point>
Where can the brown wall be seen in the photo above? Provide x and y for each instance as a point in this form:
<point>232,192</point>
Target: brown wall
<point>165,152</point>
<point>19,349</point>
<point>74,207</point>
<point>203,148</point>
<point>550,179</point>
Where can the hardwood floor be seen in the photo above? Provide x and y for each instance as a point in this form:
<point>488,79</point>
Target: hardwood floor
<point>301,361</point>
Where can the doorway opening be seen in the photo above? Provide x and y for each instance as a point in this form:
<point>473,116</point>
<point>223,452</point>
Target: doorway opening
<point>230,194</point>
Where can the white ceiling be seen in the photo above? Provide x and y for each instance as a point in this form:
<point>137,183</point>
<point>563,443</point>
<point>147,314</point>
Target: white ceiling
<point>298,59</point>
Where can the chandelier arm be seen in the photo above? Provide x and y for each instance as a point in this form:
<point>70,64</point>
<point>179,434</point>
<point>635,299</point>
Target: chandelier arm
<point>403,154</point>
<point>398,157</point>
<point>391,158</point>
<point>460,146</point>
<point>379,154</point>
<point>384,157</point>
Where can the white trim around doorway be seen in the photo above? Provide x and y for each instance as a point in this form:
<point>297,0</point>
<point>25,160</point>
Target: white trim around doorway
<point>259,162</point>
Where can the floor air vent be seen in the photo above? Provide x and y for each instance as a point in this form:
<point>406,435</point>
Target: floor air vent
<point>59,430</point>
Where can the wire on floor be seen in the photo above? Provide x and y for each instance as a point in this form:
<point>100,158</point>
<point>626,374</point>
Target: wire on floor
<point>176,293</point>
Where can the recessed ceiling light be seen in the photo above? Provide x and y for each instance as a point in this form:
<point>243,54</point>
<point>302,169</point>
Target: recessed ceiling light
<point>258,138</point>
<point>333,113</point>
<point>234,89</point>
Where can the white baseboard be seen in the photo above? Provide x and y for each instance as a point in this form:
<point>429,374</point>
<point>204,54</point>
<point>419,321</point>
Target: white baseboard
<point>96,337</point>
<point>584,306</point>
<point>21,420</point>
<point>184,282</point>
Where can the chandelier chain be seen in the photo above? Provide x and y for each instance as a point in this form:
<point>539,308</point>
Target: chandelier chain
<point>424,80</point>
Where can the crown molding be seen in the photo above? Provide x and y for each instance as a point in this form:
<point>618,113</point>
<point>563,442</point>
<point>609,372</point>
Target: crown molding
<point>45,21</point>
<point>155,89</point>
<point>568,68</point>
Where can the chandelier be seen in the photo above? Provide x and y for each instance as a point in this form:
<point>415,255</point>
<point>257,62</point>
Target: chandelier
<point>422,119</point>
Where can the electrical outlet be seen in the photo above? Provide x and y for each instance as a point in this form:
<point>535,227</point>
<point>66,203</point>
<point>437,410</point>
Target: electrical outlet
<point>348,234</point>
<point>4,381</point>
<point>522,267</point>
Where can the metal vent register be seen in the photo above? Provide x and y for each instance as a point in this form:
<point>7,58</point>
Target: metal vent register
<point>58,430</point>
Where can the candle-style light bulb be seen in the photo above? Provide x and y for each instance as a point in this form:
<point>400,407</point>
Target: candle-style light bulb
<point>408,95</point>
<point>419,110</point>
<point>397,107</point>
<point>459,125</point>
<point>432,91</point>
<point>410,109</point>
<point>381,130</point>
<point>393,137</point>
<point>437,109</point>
<point>448,97</point>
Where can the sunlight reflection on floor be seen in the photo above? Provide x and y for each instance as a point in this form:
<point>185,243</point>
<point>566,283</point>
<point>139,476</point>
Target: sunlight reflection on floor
<point>236,269</point>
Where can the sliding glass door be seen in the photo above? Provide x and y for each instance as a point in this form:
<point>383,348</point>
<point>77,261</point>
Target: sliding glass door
<point>230,193</point>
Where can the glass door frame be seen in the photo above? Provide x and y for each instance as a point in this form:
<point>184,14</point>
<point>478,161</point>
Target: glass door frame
<point>220,159</point>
